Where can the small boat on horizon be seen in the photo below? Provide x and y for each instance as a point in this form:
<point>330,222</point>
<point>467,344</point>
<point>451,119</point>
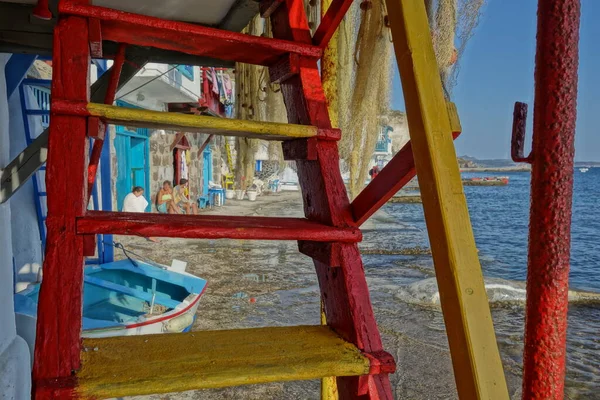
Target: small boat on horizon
<point>128,297</point>
<point>486,181</point>
<point>584,169</point>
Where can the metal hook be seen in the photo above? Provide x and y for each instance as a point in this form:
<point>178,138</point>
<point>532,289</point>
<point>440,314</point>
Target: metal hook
<point>517,144</point>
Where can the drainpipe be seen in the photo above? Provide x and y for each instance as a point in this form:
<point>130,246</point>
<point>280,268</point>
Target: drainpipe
<point>551,197</point>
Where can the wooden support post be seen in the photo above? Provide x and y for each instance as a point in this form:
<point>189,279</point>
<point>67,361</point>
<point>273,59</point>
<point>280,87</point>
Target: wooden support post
<point>343,290</point>
<point>475,357</point>
<point>57,347</point>
<point>206,142</point>
<point>95,37</point>
<point>97,127</point>
<point>330,21</point>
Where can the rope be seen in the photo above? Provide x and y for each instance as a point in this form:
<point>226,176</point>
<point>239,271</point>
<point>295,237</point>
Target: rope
<point>127,253</point>
<point>151,80</point>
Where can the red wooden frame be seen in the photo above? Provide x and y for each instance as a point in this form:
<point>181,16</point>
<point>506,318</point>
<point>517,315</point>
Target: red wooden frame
<point>328,232</point>
<point>212,227</point>
<point>142,30</point>
<point>330,22</point>
<point>344,290</point>
<point>393,177</point>
<point>57,346</point>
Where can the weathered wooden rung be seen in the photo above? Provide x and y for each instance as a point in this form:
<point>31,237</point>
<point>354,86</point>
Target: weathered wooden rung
<point>327,253</point>
<point>212,227</point>
<point>149,364</point>
<point>192,123</point>
<point>142,30</point>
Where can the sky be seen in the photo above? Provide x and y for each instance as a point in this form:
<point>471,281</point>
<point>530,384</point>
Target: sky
<point>497,69</point>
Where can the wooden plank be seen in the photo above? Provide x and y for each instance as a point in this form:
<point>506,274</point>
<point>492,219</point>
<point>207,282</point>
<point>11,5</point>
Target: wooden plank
<point>393,177</point>
<point>19,170</point>
<point>23,166</point>
<point>267,7</point>
<point>95,38</point>
<point>213,227</point>
<point>192,123</point>
<point>327,253</point>
<point>344,290</point>
<point>158,298</point>
<point>57,346</point>
<point>477,365</point>
<point>122,27</point>
<point>95,125</point>
<point>149,364</point>
<point>206,142</point>
<point>330,22</point>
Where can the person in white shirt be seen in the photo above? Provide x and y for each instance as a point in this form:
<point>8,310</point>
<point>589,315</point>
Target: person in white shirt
<point>135,201</point>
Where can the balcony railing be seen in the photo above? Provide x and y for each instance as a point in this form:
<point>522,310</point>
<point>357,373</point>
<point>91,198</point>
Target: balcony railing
<point>381,146</point>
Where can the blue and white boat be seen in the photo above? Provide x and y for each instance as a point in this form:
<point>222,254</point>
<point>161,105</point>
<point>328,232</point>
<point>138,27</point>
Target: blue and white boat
<point>130,297</point>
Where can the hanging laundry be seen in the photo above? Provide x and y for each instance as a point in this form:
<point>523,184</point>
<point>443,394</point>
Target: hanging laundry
<point>215,85</point>
<point>221,83</point>
<point>229,110</point>
<point>184,166</point>
<point>227,85</point>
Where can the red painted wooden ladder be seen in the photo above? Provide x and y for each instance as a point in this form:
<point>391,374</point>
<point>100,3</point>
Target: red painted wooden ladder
<point>328,234</point>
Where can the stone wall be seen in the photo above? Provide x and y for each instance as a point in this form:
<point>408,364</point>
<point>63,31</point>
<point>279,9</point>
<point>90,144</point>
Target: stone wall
<point>161,162</point>
<point>397,120</point>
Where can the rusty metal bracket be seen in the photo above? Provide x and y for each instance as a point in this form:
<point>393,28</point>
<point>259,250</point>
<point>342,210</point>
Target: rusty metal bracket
<point>517,144</point>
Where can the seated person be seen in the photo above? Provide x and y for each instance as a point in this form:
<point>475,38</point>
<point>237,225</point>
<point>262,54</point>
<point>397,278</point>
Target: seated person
<point>182,197</point>
<point>135,201</point>
<point>164,200</point>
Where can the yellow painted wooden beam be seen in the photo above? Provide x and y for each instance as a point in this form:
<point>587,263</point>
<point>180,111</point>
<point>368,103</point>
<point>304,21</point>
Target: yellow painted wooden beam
<point>201,123</point>
<point>329,390</point>
<point>455,126</point>
<point>329,71</point>
<point>475,357</point>
<point>134,365</point>
<point>329,79</point>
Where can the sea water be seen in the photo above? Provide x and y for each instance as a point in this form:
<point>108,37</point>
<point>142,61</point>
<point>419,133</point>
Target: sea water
<point>500,218</point>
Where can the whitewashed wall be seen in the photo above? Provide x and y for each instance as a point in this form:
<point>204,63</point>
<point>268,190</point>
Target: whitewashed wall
<point>26,243</point>
<point>15,375</point>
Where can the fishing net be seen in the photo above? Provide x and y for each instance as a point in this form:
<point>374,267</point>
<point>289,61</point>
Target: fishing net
<point>452,23</point>
<point>258,100</point>
<point>360,76</point>
<point>364,86</point>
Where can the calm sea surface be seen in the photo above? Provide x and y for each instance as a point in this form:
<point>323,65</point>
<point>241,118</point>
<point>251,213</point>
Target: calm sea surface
<point>500,218</point>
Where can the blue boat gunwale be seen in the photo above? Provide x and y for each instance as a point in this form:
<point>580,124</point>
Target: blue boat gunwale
<point>192,284</point>
<point>25,304</point>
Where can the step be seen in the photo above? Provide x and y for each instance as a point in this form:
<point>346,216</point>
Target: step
<point>212,227</point>
<point>192,123</point>
<point>142,30</point>
<point>36,112</point>
<point>152,364</point>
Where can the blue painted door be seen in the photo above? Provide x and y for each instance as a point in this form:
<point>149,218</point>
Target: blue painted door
<point>123,176</point>
<point>138,162</point>
<point>207,170</point>
<point>132,164</point>
<point>133,154</point>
